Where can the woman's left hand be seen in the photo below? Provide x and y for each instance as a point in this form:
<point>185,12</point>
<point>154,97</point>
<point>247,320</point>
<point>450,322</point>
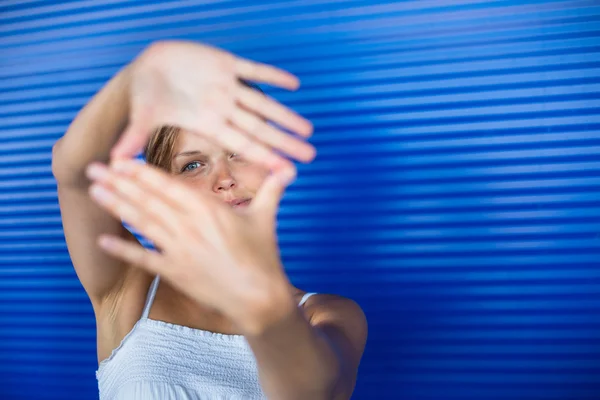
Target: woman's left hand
<point>222,258</point>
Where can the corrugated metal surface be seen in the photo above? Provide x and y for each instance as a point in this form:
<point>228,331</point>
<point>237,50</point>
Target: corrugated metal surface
<point>456,194</point>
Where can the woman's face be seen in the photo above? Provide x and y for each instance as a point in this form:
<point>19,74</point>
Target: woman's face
<point>215,170</point>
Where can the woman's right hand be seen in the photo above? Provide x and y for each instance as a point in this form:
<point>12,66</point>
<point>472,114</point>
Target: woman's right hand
<point>197,88</point>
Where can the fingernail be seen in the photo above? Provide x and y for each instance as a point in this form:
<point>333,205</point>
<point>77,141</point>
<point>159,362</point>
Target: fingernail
<point>99,193</point>
<point>308,128</point>
<point>287,175</point>
<point>311,153</point>
<point>96,171</point>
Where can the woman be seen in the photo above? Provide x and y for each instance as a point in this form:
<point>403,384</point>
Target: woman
<point>211,315</point>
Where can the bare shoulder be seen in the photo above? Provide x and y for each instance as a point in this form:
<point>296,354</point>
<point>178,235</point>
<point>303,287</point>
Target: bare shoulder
<point>320,306</point>
<point>343,322</point>
<point>338,313</point>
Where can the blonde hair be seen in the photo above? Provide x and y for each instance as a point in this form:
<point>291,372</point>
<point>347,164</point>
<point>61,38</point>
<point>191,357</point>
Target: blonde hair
<point>159,149</point>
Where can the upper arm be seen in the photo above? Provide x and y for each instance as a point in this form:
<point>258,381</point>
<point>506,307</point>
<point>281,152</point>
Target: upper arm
<point>83,221</point>
<point>344,324</point>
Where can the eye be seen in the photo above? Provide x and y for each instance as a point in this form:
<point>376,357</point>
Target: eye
<point>191,166</point>
<point>236,157</point>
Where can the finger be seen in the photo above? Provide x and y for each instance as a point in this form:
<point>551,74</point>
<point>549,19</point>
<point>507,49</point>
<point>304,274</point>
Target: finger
<point>159,184</point>
<point>273,111</point>
<point>133,253</point>
<point>254,151</point>
<point>235,140</point>
<point>269,195</point>
<point>279,140</point>
<point>124,211</point>
<point>258,72</point>
<point>180,208</point>
<point>145,203</point>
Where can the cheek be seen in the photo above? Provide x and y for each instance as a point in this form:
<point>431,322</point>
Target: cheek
<point>196,182</point>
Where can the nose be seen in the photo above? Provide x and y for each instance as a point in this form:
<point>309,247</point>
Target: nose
<point>223,179</point>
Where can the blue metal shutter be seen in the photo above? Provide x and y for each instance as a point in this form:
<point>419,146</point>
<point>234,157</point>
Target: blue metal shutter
<point>456,194</point>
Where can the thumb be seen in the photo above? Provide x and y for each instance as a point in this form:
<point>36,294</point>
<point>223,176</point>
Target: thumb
<point>133,139</point>
<point>270,193</point>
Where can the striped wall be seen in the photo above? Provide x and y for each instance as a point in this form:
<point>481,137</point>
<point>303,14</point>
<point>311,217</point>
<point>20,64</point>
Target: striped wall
<point>455,196</point>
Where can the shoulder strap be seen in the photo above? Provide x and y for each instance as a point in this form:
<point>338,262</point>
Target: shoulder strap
<point>150,297</point>
<point>304,298</point>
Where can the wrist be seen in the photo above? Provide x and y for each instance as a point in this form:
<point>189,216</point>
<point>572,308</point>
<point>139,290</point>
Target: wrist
<point>268,307</point>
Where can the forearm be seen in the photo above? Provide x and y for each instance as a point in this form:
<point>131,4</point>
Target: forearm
<point>93,132</point>
<point>295,360</point>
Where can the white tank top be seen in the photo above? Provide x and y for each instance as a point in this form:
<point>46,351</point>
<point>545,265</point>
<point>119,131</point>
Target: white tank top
<point>158,360</point>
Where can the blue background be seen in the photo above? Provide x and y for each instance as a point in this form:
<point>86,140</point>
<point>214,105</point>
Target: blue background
<point>456,194</point>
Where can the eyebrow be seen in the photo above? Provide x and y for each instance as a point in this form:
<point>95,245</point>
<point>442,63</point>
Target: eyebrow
<point>187,153</point>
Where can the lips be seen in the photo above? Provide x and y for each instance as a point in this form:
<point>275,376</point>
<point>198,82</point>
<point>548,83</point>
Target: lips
<point>239,203</point>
